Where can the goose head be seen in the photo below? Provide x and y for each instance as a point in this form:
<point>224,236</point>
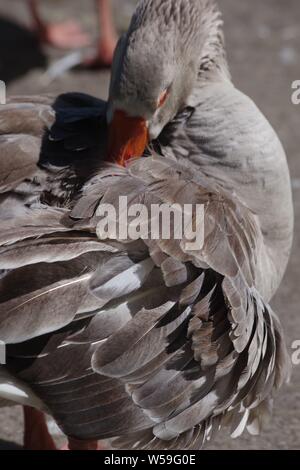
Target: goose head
<point>155,69</point>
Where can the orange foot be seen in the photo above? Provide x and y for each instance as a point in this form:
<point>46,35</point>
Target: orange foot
<point>36,434</point>
<point>65,35</point>
<point>75,444</point>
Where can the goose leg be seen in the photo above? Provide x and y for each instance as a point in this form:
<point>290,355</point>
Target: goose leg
<point>64,35</point>
<point>36,434</point>
<point>107,38</point>
<point>75,444</point>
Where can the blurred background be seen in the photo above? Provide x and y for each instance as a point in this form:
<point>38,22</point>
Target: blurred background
<point>263,45</point>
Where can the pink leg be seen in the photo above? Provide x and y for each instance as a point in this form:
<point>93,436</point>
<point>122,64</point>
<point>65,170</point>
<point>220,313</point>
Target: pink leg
<point>36,434</point>
<point>65,35</point>
<point>107,38</point>
<point>75,444</point>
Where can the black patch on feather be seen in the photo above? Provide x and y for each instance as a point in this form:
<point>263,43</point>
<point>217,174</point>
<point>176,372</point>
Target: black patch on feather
<point>78,133</point>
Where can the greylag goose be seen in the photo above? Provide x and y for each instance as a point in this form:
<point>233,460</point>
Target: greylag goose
<point>145,342</point>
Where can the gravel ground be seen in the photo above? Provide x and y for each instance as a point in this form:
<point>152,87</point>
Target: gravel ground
<point>263,39</point>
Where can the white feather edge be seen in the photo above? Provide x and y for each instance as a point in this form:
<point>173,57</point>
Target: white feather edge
<point>238,431</point>
<point>15,392</point>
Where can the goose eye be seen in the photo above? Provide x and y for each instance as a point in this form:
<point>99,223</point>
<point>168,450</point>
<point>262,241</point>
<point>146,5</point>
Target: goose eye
<point>162,99</point>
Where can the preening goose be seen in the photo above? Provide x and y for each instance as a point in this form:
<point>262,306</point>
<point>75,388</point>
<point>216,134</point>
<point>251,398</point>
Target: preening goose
<point>147,342</point>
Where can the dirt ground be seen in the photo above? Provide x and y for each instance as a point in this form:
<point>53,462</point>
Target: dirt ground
<point>263,42</point>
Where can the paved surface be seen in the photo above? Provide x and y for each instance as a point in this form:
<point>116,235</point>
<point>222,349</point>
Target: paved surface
<point>263,38</point>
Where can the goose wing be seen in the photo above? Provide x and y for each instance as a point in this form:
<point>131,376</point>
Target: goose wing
<point>32,232</point>
<point>214,353</point>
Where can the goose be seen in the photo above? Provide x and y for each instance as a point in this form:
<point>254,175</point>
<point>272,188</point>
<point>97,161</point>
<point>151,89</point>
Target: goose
<point>146,343</point>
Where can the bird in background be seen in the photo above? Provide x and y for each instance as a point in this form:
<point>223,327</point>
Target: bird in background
<point>69,34</point>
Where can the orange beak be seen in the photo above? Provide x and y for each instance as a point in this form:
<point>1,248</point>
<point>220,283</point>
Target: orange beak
<point>128,138</point>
